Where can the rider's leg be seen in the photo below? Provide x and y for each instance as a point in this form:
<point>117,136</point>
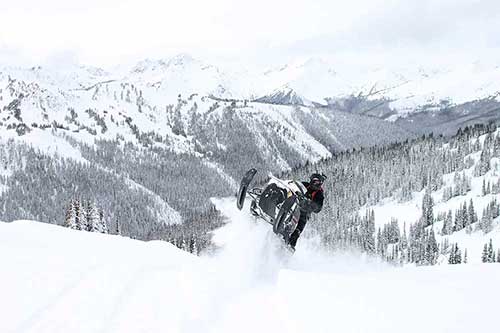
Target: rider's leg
<point>253,208</point>
<point>300,227</point>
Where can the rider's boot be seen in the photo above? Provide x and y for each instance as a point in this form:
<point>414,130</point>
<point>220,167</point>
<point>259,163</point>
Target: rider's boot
<point>292,241</point>
<point>253,208</point>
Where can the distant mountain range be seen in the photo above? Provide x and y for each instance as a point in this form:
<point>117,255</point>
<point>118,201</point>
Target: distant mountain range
<point>298,112</point>
<point>175,101</point>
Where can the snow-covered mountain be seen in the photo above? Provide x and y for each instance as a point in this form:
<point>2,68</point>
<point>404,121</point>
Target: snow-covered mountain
<point>284,96</point>
<point>58,280</point>
<point>160,96</point>
<point>406,89</point>
<point>171,100</point>
<point>185,75</point>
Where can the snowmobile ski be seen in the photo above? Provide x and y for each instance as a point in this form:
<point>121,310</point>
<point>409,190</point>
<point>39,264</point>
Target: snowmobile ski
<point>245,182</point>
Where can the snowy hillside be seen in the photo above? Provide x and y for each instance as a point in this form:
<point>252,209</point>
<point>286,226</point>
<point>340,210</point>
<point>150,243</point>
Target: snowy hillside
<point>476,184</point>
<point>58,280</point>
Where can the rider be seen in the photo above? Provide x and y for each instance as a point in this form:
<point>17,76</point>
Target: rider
<point>312,203</point>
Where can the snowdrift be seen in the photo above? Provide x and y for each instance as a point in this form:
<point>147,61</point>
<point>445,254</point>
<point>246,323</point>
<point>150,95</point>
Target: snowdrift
<point>54,279</point>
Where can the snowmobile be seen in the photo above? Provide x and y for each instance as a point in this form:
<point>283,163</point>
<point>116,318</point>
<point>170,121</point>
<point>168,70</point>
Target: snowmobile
<point>277,204</point>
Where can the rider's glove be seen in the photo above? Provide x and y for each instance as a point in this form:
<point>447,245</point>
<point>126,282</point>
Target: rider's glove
<point>305,204</point>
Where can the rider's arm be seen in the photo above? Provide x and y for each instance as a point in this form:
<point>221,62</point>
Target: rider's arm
<point>317,203</point>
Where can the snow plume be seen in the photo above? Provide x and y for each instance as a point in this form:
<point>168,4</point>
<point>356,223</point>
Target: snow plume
<point>251,252</point>
<point>253,276</point>
<point>248,247</point>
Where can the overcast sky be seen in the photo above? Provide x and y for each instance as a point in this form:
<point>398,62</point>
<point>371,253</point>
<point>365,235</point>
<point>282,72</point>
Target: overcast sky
<point>106,32</point>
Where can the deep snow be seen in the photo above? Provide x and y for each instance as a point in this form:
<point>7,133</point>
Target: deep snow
<point>54,279</point>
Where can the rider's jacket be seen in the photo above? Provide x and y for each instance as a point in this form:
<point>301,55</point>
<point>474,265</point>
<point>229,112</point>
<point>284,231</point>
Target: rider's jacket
<point>316,197</point>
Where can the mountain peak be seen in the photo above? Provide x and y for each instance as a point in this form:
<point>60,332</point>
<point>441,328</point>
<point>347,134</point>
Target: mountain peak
<point>181,59</point>
<point>284,95</point>
<point>151,65</point>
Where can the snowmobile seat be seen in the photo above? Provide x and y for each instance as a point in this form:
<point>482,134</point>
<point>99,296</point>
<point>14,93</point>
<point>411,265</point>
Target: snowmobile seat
<point>271,197</point>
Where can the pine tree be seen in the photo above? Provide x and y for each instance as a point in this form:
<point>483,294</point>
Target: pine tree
<point>103,226</point>
<point>404,246</point>
<point>427,208</point>
<point>86,216</point>
<point>192,245</point>
<point>118,229</point>
<point>458,257</point>
<point>381,244</point>
<point>465,216</point>
<point>459,220</point>
<point>472,213</point>
<point>486,220</point>
<point>455,256</point>
<point>91,217</point>
<point>71,217</point>
<point>79,221</point>
<point>484,256</point>
<point>495,209</point>
<point>368,232</point>
<point>432,249</point>
<point>96,219</point>
<point>457,181</point>
<point>483,165</point>
<point>465,257</point>
<point>448,224</point>
<point>491,253</point>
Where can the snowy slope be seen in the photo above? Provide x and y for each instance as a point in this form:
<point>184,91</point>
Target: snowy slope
<point>409,212</point>
<point>59,280</point>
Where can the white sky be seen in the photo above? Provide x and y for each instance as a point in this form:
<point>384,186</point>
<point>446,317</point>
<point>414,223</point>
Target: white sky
<point>106,32</point>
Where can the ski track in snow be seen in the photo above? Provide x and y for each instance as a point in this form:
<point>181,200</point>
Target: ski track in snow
<point>57,280</point>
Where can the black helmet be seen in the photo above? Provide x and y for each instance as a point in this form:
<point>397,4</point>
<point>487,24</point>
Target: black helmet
<point>316,180</point>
